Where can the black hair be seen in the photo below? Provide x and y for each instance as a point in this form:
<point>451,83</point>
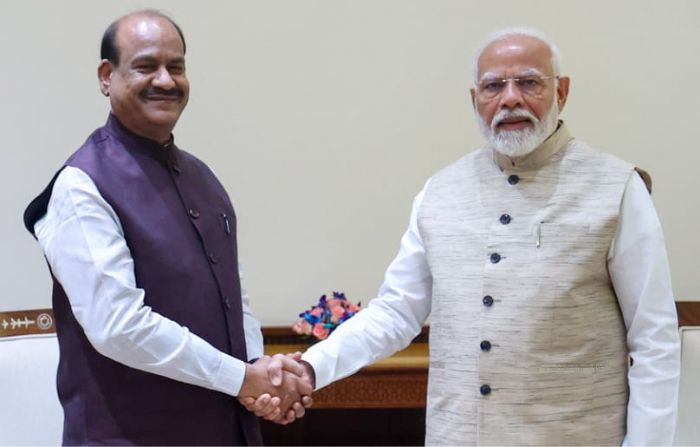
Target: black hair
<point>108,47</point>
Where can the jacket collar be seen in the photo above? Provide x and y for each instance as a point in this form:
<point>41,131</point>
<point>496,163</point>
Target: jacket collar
<point>166,153</point>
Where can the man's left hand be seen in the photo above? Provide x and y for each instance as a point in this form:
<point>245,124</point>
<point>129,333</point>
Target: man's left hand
<point>275,409</point>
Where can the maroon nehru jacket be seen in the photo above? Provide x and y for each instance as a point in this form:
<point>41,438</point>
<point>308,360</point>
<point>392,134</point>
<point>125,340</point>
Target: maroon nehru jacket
<point>180,227</point>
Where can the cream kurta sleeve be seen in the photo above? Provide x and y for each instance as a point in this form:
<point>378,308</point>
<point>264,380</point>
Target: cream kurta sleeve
<point>640,273</point>
<point>391,320</point>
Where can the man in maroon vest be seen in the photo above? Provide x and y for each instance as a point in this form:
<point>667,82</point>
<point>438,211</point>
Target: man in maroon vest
<point>155,334</point>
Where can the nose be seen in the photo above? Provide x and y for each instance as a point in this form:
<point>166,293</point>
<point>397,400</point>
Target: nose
<point>163,79</point>
<point>511,96</point>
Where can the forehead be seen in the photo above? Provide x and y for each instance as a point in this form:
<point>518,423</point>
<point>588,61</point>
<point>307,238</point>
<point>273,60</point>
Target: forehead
<point>514,55</point>
<point>148,34</point>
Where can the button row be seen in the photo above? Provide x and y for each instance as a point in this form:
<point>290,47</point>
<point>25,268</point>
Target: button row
<point>495,258</point>
<point>194,214</point>
<point>485,346</point>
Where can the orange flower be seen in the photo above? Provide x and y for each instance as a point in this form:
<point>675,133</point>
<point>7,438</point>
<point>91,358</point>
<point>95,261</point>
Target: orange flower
<point>320,331</point>
<point>337,312</point>
<point>302,327</point>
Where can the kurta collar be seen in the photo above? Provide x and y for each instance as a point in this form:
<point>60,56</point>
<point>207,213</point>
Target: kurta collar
<point>551,146</point>
<point>166,153</point>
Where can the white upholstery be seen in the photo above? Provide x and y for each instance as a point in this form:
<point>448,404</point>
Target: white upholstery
<point>688,429</point>
<point>30,413</point>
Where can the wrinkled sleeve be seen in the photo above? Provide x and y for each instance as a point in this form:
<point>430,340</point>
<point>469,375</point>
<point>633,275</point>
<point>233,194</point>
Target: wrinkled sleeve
<point>390,321</point>
<point>251,325</point>
<point>83,241</point>
<point>640,273</point>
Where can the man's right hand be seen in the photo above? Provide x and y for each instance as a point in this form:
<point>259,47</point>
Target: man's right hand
<point>287,372</point>
<point>275,388</point>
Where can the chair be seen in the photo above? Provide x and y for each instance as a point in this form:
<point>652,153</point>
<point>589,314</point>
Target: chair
<point>688,428</point>
<point>30,413</point>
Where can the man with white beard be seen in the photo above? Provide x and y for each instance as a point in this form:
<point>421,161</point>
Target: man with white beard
<point>543,267</point>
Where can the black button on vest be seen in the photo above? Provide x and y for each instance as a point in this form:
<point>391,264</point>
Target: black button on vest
<point>485,345</point>
<point>194,214</point>
<point>495,258</point>
<point>485,389</point>
<point>505,219</point>
<point>488,301</point>
<point>513,179</point>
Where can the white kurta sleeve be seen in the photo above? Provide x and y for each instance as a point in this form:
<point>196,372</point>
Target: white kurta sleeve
<point>640,273</point>
<point>391,320</point>
<point>83,241</point>
<point>251,325</point>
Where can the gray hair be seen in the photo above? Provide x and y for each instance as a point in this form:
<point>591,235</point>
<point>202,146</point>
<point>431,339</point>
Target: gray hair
<point>518,31</point>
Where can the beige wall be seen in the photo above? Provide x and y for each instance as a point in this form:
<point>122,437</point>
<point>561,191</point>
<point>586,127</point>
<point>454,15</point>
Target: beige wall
<point>324,118</point>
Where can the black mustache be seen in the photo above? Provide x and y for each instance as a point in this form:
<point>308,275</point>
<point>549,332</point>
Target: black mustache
<point>151,91</point>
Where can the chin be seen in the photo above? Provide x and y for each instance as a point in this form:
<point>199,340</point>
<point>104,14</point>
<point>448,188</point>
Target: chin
<point>164,117</point>
<point>516,144</point>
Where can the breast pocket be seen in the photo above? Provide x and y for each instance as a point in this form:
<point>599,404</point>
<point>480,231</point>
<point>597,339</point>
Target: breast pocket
<point>565,245</point>
<point>571,269</point>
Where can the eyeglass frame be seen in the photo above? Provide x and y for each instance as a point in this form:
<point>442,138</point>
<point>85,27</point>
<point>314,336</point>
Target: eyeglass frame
<point>504,82</point>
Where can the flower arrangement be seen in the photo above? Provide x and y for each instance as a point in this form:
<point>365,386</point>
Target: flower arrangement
<point>322,319</point>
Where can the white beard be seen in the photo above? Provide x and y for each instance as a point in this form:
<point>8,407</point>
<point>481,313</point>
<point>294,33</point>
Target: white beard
<point>518,143</point>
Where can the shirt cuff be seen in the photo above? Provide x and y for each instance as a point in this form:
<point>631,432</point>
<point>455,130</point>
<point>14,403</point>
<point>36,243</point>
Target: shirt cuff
<point>322,366</point>
<point>254,346</point>
<point>230,377</point>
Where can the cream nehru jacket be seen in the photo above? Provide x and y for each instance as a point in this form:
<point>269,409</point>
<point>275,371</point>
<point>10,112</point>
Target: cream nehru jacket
<point>527,343</point>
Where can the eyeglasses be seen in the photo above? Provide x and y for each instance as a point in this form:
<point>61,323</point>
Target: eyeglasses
<point>529,85</point>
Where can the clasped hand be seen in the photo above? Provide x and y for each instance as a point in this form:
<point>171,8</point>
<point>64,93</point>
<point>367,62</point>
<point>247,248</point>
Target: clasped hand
<point>278,388</point>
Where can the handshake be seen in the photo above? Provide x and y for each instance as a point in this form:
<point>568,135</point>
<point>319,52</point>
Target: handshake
<point>278,388</point>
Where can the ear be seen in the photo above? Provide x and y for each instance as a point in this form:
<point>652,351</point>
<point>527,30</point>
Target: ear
<point>563,91</point>
<point>104,75</point>
<point>473,92</point>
